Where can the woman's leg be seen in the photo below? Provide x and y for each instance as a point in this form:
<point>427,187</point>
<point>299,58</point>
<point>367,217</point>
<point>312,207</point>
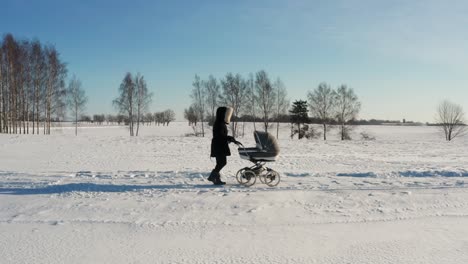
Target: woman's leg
<point>220,163</point>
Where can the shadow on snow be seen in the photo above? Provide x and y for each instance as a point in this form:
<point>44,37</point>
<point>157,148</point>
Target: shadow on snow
<point>92,187</point>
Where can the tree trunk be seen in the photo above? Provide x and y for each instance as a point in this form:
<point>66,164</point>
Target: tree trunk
<point>37,115</point>
<point>138,125</point>
<point>277,129</point>
<point>292,130</point>
<point>27,119</point>
<point>243,128</point>
<point>342,131</point>
<point>1,98</point>
<point>33,114</point>
<point>299,130</point>
<point>324,131</point>
<point>76,121</point>
<point>36,104</point>
<point>202,127</point>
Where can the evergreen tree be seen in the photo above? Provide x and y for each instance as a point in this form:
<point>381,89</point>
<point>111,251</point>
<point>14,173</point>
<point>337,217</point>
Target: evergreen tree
<point>299,116</point>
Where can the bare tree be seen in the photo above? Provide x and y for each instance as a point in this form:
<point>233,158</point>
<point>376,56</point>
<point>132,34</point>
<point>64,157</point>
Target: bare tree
<point>159,118</point>
<point>322,104</point>
<point>38,82</point>
<point>191,116</point>
<point>121,119</point>
<point>168,116</point>
<point>125,103</point>
<point>199,98</point>
<point>24,84</point>
<point>282,103</point>
<point>55,87</point>
<point>76,100</point>
<point>10,62</point>
<point>111,119</point>
<point>266,97</point>
<point>234,90</point>
<point>2,93</point>
<point>99,119</point>
<point>251,98</point>
<point>212,95</point>
<point>143,99</point>
<point>451,118</point>
<point>347,109</point>
<point>149,118</point>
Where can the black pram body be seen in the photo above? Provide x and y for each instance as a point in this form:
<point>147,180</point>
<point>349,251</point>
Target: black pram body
<point>266,150</point>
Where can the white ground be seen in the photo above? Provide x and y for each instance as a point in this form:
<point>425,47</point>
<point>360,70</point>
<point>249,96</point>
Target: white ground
<point>103,197</point>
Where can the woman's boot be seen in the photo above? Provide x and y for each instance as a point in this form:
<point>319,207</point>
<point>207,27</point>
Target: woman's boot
<point>217,180</point>
<point>212,177</point>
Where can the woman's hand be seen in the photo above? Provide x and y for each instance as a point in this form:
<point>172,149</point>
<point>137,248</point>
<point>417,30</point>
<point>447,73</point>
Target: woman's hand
<point>233,140</point>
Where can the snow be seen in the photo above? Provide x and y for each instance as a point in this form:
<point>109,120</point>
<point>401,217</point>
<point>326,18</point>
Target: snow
<point>104,197</point>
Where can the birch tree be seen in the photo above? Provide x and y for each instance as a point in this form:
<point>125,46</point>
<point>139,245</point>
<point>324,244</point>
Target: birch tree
<point>199,100</point>
<point>322,104</point>
<point>125,103</point>
<point>266,97</point>
<point>212,89</point>
<point>2,99</point>
<point>234,91</point>
<point>282,103</point>
<point>347,109</point>
<point>143,99</point>
<point>76,100</point>
<point>55,87</point>
<point>251,99</point>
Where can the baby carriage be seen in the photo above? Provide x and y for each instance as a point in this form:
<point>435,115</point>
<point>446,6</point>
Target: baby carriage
<point>266,150</point>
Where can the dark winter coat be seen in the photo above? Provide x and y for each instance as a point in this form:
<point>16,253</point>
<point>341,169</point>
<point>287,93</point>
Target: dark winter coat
<point>221,140</point>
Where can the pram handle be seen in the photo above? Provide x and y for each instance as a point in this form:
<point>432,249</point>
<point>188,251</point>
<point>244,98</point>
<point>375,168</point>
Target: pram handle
<point>239,144</point>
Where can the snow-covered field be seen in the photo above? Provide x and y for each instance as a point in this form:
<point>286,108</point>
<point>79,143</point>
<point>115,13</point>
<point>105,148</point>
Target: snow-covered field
<point>104,197</point>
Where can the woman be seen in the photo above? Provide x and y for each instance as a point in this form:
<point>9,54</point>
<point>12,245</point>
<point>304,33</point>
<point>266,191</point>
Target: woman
<point>219,143</point>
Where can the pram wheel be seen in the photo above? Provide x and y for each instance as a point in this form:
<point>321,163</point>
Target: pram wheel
<point>246,177</point>
<point>272,178</point>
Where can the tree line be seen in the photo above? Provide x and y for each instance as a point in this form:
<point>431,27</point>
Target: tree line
<point>32,86</point>
<point>163,118</point>
<point>248,96</point>
<point>259,96</point>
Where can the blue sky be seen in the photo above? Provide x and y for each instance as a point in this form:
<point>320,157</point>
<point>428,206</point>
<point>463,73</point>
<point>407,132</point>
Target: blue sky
<point>401,57</point>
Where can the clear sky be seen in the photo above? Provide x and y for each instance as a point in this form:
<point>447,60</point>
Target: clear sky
<point>402,57</point>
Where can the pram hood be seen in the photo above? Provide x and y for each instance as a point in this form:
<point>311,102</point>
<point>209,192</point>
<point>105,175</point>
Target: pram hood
<point>267,148</point>
<point>266,142</point>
